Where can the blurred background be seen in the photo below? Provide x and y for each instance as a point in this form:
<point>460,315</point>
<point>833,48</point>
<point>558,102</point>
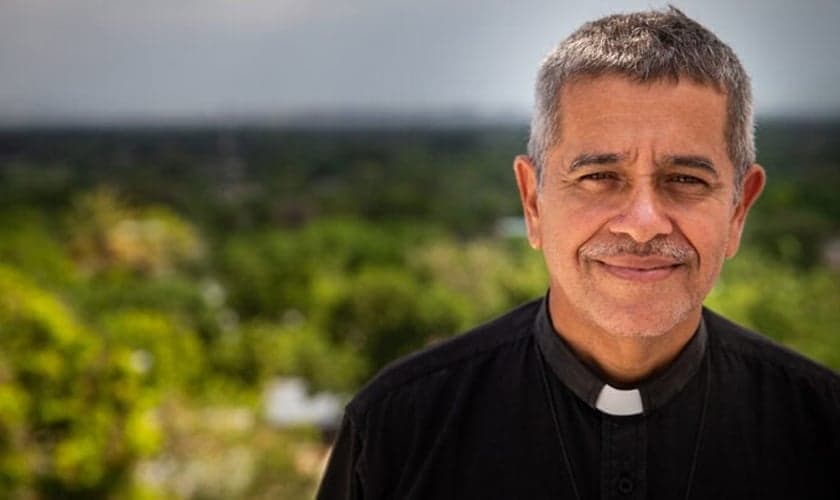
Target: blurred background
<point>219,218</point>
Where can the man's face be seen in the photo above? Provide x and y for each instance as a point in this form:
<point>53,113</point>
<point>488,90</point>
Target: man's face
<point>637,209</point>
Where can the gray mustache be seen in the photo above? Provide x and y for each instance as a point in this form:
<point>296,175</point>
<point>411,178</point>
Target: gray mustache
<point>676,251</point>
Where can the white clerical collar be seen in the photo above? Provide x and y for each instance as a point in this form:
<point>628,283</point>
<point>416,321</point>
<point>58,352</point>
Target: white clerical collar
<point>614,401</point>
<point>596,392</point>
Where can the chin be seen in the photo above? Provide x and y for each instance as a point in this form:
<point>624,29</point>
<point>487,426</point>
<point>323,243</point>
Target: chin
<point>645,320</point>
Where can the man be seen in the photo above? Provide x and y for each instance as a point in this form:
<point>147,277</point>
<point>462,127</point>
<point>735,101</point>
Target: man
<point>618,384</point>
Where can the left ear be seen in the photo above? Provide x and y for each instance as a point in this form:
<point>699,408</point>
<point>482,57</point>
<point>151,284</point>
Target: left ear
<point>753,185</point>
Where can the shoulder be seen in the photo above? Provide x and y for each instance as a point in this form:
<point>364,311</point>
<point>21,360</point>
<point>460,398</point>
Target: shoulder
<point>761,354</point>
<point>449,359</point>
<point>780,402</point>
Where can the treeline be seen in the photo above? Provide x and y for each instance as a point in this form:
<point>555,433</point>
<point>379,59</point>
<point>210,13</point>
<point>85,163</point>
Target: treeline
<point>153,283</point>
<point>459,179</point>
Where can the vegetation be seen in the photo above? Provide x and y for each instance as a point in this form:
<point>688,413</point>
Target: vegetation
<point>154,283</point>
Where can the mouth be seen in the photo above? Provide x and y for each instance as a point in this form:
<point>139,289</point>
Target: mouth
<point>640,270</point>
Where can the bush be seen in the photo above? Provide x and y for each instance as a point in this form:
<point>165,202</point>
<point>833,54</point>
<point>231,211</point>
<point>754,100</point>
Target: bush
<point>74,412</point>
<point>794,306</point>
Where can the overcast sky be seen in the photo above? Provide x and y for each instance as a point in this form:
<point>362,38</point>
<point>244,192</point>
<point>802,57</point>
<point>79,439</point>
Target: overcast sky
<point>85,60</point>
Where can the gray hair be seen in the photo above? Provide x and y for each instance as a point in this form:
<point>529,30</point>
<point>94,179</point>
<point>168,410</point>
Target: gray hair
<point>645,46</point>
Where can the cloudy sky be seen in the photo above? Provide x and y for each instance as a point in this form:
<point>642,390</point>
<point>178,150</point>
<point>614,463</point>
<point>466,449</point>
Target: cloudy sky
<point>159,60</point>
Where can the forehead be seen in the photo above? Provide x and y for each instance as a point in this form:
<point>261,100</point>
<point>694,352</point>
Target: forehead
<point>617,113</point>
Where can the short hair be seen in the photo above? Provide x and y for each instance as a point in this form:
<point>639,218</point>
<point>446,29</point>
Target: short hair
<point>645,46</point>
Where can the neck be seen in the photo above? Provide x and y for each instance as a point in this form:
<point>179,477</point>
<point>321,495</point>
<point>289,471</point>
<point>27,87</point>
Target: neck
<point>624,361</point>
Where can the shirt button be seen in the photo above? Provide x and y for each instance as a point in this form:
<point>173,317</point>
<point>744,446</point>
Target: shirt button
<point>625,485</point>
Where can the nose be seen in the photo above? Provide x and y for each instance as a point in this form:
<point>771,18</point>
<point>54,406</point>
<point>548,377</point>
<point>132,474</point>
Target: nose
<point>642,217</point>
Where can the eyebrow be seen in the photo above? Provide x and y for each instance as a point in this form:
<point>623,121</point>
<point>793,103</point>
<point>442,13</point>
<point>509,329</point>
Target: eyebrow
<point>585,159</point>
<point>692,161</point>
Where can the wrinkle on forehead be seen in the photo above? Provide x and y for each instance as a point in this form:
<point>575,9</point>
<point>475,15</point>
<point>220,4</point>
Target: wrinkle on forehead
<point>610,117</point>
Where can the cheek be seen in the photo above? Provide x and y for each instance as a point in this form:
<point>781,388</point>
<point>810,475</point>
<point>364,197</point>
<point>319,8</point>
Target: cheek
<point>574,212</point>
<point>565,227</point>
<point>709,235</point>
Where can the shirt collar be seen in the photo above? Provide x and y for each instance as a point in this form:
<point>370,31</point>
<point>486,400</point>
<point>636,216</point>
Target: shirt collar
<point>651,394</point>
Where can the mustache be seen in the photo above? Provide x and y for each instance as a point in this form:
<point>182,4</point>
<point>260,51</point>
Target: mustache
<point>658,247</point>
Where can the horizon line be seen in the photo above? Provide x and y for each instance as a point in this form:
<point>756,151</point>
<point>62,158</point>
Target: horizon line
<point>337,120</point>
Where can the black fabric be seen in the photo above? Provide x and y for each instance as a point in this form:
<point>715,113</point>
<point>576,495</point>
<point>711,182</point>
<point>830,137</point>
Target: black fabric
<point>472,418</point>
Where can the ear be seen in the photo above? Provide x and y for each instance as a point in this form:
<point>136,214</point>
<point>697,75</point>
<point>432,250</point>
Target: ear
<point>753,185</point>
<point>526,179</point>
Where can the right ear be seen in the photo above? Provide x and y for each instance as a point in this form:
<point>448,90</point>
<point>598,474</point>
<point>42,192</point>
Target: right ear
<point>526,180</point>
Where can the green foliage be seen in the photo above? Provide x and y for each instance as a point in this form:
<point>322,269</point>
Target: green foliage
<point>796,307</point>
<point>385,314</point>
<point>28,242</point>
<point>486,276</point>
<point>73,410</point>
<point>164,349</point>
<point>109,235</point>
<point>261,350</point>
<point>273,271</point>
<point>370,293</point>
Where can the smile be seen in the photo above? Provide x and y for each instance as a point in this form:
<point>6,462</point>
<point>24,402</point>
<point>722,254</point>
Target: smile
<point>640,270</point>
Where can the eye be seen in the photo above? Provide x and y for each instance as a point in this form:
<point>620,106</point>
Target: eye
<point>598,176</point>
<point>686,179</point>
<point>599,182</point>
<point>684,184</point>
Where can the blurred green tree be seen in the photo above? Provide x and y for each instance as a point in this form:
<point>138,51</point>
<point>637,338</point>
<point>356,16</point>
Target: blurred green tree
<point>794,306</point>
<point>74,409</point>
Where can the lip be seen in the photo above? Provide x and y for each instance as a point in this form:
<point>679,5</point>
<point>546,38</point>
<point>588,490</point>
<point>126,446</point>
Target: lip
<point>642,270</point>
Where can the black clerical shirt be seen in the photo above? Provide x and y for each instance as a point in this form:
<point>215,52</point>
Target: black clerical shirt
<point>507,411</point>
